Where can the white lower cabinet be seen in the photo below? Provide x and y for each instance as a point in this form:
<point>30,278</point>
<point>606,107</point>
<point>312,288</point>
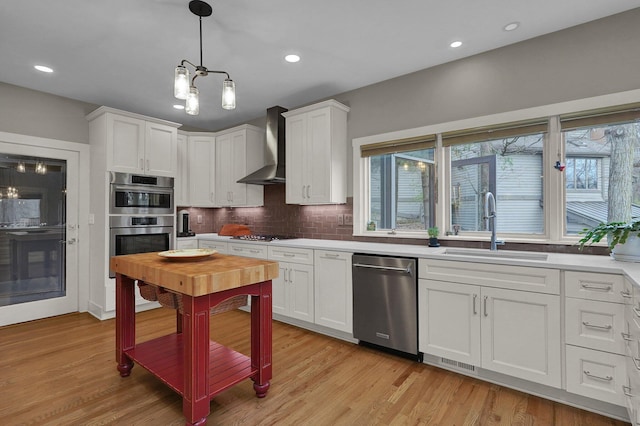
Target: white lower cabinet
<point>293,289</point>
<point>595,331</point>
<point>333,290</point>
<point>186,243</point>
<point>220,246</point>
<point>507,331</point>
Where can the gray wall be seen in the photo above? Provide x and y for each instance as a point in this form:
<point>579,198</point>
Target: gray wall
<point>29,112</point>
<point>596,58</point>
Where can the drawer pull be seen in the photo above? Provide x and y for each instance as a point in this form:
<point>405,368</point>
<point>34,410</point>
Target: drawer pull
<point>475,311</point>
<point>596,287</point>
<point>254,251</point>
<point>599,327</point>
<point>626,294</point>
<point>627,391</point>
<point>636,361</point>
<point>288,254</point>
<point>331,256</point>
<point>237,249</point>
<point>595,376</point>
<point>626,336</point>
<point>636,311</point>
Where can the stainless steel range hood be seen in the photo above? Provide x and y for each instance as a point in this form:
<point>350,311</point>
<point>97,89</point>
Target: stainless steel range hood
<point>274,171</point>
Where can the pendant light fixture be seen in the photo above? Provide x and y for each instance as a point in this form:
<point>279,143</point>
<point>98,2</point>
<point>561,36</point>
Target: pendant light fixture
<point>183,89</point>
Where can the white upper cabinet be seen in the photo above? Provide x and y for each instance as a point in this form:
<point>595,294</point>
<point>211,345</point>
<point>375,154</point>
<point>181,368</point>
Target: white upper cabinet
<point>201,173</point>
<point>181,184</point>
<point>135,144</point>
<point>316,154</point>
<point>239,151</point>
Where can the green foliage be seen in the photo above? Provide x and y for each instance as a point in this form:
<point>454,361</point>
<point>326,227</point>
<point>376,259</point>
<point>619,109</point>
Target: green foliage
<point>617,232</point>
<point>433,232</point>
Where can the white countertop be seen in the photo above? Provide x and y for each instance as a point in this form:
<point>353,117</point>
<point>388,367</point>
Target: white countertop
<point>575,262</point>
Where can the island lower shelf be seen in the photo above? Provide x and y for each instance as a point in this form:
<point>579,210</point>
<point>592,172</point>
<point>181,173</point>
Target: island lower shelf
<point>163,357</point>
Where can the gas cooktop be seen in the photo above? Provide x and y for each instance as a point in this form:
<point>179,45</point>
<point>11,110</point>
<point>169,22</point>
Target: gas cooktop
<point>259,237</point>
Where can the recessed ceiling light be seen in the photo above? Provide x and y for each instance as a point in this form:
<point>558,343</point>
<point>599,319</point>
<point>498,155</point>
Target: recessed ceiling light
<point>292,58</point>
<point>456,44</point>
<point>178,106</point>
<point>512,26</point>
<point>43,68</point>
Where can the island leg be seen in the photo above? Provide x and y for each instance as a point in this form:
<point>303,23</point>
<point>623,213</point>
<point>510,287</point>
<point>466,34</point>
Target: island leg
<point>261,339</point>
<point>195,338</point>
<point>125,322</point>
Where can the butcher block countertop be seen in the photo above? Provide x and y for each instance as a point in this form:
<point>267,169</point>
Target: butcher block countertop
<point>195,277</point>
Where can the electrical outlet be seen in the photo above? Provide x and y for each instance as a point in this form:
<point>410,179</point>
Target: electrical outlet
<point>199,219</point>
<point>340,219</point>
<point>348,219</point>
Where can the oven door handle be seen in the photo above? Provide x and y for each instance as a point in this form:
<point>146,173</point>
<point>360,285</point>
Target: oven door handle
<point>140,188</point>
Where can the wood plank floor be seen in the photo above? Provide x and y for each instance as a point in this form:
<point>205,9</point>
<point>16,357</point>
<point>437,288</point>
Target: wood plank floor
<point>62,371</point>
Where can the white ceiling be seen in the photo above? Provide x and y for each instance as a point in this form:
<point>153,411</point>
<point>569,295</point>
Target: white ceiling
<point>122,53</point>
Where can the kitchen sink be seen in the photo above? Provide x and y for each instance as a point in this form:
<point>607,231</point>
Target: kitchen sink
<point>498,254</point>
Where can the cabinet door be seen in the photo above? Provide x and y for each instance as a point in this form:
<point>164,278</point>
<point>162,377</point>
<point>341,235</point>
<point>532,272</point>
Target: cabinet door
<point>279,303</point>
<point>317,167</point>
<point>160,150</point>
<point>125,144</point>
<point>201,161</point>
<point>295,153</point>
<point>181,184</point>
<point>449,320</point>
<point>300,291</point>
<point>521,334</point>
<point>333,290</point>
<point>231,158</point>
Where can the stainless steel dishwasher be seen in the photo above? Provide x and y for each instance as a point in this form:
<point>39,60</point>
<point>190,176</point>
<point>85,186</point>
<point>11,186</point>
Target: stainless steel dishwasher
<point>385,302</point>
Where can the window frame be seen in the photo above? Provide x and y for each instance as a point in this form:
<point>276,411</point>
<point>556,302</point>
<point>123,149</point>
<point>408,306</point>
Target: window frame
<point>554,191</point>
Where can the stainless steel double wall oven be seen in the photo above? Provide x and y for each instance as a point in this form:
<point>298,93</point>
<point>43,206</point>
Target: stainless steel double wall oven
<point>141,214</point>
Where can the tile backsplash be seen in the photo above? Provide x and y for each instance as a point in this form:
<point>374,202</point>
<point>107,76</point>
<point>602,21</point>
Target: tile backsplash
<point>278,218</point>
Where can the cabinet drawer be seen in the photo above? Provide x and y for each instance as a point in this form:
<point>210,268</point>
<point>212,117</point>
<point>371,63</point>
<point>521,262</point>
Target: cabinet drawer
<point>539,280</point>
<point>220,246</point>
<point>248,250</point>
<point>591,286</point>
<point>632,392</point>
<point>289,254</point>
<point>595,374</point>
<point>595,325</point>
<point>186,243</point>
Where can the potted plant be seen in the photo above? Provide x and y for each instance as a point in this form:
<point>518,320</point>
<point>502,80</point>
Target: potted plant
<point>433,236</point>
<point>622,238</point>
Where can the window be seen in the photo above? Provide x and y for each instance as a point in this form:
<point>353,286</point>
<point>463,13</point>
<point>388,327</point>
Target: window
<point>551,176</point>
<point>602,171</point>
<point>401,190</point>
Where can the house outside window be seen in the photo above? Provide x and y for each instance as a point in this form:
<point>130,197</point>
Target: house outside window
<point>602,172</point>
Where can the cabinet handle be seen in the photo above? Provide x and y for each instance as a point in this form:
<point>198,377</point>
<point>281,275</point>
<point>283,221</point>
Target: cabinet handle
<point>288,254</point>
<point>626,336</point>
<point>291,272</point>
<point>254,251</point>
<point>303,196</point>
<point>237,249</point>
<point>627,391</point>
<point>141,164</point>
<point>148,168</point>
<point>308,191</point>
<point>475,311</point>
<point>636,362</point>
<point>211,197</point>
<point>599,327</point>
<point>486,314</point>
<point>636,311</point>
<point>331,256</point>
<point>595,376</point>
<point>626,294</point>
<point>596,287</point>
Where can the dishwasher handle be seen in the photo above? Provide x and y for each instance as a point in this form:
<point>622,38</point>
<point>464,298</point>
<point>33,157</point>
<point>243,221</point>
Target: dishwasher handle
<point>384,268</point>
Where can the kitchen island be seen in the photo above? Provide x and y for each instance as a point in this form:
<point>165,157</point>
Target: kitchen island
<point>188,361</point>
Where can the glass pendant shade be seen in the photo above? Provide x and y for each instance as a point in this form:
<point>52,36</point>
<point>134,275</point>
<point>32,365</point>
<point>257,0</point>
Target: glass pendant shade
<point>181,83</point>
<point>228,94</point>
<point>21,168</point>
<point>192,106</point>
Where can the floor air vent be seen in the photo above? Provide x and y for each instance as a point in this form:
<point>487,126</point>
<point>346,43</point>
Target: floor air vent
<point>467,368</point>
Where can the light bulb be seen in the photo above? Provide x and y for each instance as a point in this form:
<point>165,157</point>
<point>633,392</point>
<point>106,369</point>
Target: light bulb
<point>192,105</point>
<point>228,94</point>
<point>181,83</point>
<point>21,168</point>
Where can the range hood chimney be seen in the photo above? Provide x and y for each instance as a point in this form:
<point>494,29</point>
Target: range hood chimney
<point>274,171</point>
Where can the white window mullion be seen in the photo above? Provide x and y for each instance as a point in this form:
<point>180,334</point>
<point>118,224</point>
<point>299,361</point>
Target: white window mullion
<point>554,187</point>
